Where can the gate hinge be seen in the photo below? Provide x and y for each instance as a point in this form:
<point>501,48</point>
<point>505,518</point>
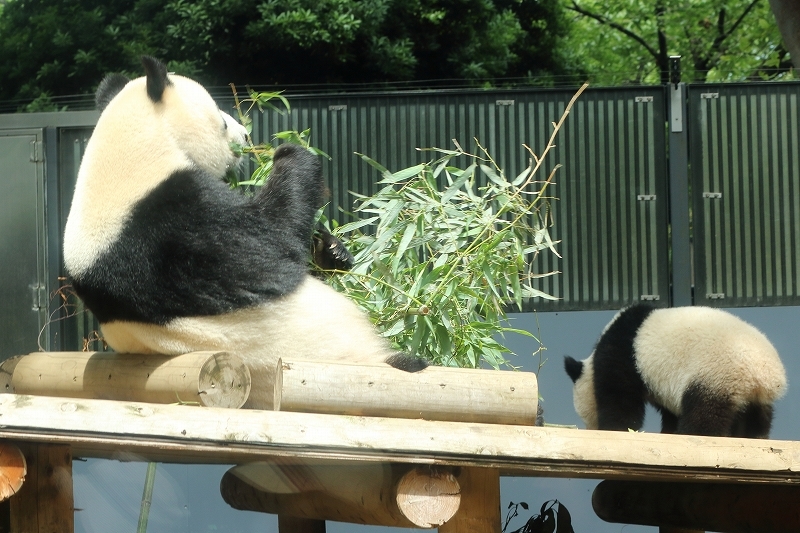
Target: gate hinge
<point>715,295</point>
<point>643,99</point>
<point>713,195</point>
<point>646,197</point>
<point>649,297</point>
<point>38,297</point>
<point>37,152</point>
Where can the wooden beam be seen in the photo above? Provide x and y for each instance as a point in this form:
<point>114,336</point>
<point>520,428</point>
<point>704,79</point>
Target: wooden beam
<point>436,393</point>
<point>13,470</point>
<point>480,502</point>
<point>184,434</point>
<point>374,494</point>
<point>45,504</point>
<point>705,506</point>
<point>213,379</point>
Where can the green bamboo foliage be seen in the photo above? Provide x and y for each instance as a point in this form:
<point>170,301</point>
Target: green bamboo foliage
<point>446,248</point>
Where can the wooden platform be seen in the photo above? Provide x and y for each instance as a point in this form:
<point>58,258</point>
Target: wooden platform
<point>475,453</point>
<point>186,434</point>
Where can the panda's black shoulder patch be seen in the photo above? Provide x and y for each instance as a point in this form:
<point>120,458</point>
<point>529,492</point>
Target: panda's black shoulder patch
<point>616,378</point>
<point>108,89</point>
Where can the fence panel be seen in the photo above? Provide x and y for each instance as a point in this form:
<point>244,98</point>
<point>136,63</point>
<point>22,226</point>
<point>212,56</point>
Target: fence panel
<point>612,210</point>
<point>745,170</point>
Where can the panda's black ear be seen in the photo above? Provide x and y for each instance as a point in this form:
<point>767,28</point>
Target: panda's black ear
<point>157,80</point>
<point>108,89</point>
<point>574,368</point>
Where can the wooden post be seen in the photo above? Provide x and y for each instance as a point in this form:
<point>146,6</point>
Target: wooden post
<point>361,493</point>
<point>212,379</point>
<point>44,504</point>
<point>480,502</point>
<point>436,393</point>
<point>733,508</point>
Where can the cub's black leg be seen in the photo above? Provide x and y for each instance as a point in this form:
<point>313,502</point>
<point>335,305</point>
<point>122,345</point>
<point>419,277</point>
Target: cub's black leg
<point>669,422</point>
<point>753,422</point>
<point>705,413</point>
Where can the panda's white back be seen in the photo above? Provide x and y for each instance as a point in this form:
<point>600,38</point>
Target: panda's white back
<point>677,346</point>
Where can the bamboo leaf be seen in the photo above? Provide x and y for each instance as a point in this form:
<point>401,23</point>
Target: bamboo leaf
<point>352,226</point>
<point>401,175</point>
<point>458,183</point>
<point>408,234</point>
<point>492,175</point>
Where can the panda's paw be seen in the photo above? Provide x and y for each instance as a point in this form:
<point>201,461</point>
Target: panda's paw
<point>408,363</point>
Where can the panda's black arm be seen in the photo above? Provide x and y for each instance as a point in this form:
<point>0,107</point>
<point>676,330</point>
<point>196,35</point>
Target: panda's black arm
<point>292,195</point>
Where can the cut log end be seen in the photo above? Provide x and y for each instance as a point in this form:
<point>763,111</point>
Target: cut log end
<point>428,497</point>
<point>13,470</point>
<point>224,381</point>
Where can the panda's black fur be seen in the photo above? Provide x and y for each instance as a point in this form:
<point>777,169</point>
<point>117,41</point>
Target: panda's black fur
<point>193,248</point>
<point>706,371</point>
<point>170,260</point>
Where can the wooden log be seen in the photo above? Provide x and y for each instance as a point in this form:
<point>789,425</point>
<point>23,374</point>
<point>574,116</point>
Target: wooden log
<point>733,508</point>
<point>45,503</point>
<point>363,493</point>
<point>436,393</point>
<point>212,379</point>
<point>13,469</point>
<point>480,502</point>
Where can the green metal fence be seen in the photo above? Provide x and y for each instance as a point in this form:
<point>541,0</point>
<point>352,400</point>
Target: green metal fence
<point>611,214</point>
<point>745,170</point>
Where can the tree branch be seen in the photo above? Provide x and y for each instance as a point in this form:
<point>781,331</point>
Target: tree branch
<point>611,24</point>
<point>714,51</point>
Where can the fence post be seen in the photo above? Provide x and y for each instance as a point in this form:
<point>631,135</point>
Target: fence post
<point>679,189</point>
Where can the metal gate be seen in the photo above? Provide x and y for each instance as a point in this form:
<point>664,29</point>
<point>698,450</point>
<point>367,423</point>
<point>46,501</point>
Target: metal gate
<point>745,170</point>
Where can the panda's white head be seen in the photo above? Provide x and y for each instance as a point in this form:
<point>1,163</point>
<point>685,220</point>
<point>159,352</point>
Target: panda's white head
<point>149,128</point>
<point>582,375</point>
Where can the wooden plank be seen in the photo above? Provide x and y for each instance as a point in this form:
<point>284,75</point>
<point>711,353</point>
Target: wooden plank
<point>214,379</point>
<point>713,507</point>
<point>435,393</point>
<point>185,434</point>
<point>45,503</point>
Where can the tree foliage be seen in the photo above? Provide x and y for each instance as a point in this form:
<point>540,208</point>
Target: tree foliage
<point>630,41</point>
<point>62,47</point>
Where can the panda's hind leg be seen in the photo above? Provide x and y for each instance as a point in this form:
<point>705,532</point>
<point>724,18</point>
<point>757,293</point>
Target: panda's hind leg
<point>704,412</point>
<point>753,422</point>
<point>669,422</point>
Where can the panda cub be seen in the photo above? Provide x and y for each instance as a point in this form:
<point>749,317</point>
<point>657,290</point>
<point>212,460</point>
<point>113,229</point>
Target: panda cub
<point>170,260</point>
<point>706,371</point>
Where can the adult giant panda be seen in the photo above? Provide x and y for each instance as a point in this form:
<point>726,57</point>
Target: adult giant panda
<point>170,260</point>
<point>707,372</point>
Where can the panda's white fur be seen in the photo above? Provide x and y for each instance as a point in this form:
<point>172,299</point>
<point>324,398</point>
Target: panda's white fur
<point>312,321</point>
<point>706,370</point>
<point>133,148</point>
<point>170,260</point>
